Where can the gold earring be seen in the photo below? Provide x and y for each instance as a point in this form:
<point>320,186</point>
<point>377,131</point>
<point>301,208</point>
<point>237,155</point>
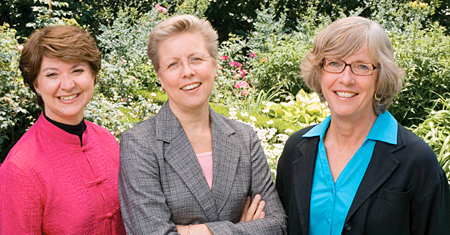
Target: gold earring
<point>164,90</point>
<point>377,98</point>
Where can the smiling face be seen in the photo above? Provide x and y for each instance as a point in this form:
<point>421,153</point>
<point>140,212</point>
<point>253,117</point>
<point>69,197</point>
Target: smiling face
<point>190,84</point>
<point>66,88</point>
<point>347,94</point>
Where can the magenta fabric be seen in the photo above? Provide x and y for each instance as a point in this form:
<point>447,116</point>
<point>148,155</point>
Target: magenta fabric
<point>50,184</point>
<point>206,163</point>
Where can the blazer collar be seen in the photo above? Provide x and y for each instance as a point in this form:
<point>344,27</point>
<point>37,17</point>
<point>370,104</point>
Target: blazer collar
<point>179,153</point>
<point>383,163</point>
<point>381,166</point>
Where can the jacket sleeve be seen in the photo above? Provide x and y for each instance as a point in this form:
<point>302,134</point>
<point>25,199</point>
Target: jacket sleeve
<point>21,210</point>
<point>433,215</point>
<point>262,183</point>
<point>142,200</point>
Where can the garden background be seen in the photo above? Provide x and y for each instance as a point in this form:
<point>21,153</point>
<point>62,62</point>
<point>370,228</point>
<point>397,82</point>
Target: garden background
<point>262,44</point>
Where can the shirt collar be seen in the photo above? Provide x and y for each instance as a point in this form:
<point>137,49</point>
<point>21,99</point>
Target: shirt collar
<point>384,129</point>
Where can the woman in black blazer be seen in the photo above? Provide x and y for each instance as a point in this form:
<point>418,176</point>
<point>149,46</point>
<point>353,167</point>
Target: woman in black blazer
<point>359,171</point>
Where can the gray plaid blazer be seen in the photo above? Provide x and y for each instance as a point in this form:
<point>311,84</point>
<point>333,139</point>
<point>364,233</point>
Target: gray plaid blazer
<point>161,183</point>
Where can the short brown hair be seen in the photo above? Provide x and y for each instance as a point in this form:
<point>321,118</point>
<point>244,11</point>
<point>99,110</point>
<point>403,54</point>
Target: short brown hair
<point>181,24</point>
<point>346,37</point>
<point>68,43</point>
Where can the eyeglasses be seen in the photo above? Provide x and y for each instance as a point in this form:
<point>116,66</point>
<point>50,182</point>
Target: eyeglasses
<point>357,68</point>
<point>194,62</point>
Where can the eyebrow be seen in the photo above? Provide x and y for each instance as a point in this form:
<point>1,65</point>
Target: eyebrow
<point>72,67</point>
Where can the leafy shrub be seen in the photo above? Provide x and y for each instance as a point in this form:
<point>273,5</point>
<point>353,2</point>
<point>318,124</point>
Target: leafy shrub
<point>17,108</point>
<point>435,130</point>
<point>307,109</point>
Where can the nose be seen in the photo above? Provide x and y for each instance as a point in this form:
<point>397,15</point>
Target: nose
<point>67,82</point>
<point>187,71</point>
<point>347,76</point>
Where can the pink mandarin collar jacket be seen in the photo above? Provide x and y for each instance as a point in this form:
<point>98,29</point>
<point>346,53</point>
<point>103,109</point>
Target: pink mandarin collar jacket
<point>50,184</point>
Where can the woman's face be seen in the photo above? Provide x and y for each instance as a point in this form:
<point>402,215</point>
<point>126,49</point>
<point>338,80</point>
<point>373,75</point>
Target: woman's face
<point>349,95</point>
<point>66,88</point>
<point>187,71</point>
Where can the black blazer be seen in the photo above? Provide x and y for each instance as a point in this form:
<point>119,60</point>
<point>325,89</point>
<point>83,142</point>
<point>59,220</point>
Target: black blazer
<point>404,189</point>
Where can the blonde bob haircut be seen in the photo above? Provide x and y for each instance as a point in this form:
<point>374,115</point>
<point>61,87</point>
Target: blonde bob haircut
<point>67,43</point>
<point>346,37</point>
<point>181,24</point>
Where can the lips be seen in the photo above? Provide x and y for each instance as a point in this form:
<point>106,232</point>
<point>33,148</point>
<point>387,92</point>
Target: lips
<point>345,94</point>
<point>191,86</point>
<point>67,98</point>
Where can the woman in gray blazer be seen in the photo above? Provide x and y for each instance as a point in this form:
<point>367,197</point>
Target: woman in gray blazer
<point>189,170</point>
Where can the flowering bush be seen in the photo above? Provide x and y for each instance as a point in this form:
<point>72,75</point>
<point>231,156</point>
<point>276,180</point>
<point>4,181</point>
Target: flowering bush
<point>17,108</point>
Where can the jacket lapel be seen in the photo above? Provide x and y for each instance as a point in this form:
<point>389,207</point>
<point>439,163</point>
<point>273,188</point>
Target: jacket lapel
<point>180,156</point>
<point>226,154</point>
<point>381,166</point>
<point>303,172</point>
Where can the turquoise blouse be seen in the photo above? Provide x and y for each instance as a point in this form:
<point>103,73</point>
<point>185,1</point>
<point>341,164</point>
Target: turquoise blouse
<point>330,201</point>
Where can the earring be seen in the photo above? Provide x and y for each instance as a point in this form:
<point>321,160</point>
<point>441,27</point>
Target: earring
<point>164,90</point>
<point>38,93</point>
<point>377,98</point>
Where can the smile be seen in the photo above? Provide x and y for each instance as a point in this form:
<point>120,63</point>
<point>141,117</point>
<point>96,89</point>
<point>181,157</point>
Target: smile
<point>191,86</point>
<point>345,94</point>
<point>66,98</point>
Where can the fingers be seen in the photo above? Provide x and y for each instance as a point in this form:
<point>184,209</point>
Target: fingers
<point>253,207</point>
<point>246,206</point>
<point>259,211</point>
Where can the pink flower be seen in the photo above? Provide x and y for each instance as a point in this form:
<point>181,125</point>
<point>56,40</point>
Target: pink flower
<point>237,64</point>
<point>233,71</point>
<point>139,30</point>
<point>224,57</point>
<point>220,67</point>
<point>153,94</point>
<point>160,8</point>
<point>252,55</point>
<point>237,85</point>
<point>244,92</point>
<point>232,81</point>
<point>19,47</point>
<point>244,72</point>
<point>124,99</point>
<point>143,24</point>
<point>244,84</point>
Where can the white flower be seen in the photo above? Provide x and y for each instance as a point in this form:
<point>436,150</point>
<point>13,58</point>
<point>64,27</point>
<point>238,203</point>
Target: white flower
<point>289,131</point>
<point>265,110</point>
<point>244,114</point>
<point>270,122</point>
<point>253,118</point>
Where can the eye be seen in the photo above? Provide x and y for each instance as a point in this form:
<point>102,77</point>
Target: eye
<point>196,59</point>
<point>334,64</point>
<point>78,70</point>
<point>172,65</point>
<point>363,66</point>
<point>50,75</point>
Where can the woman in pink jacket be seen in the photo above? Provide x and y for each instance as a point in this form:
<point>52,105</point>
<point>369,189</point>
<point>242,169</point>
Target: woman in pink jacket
<point>61,177</point>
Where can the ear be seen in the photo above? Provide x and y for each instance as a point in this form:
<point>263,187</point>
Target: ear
<point>161,81</point>
<point>35,85</point>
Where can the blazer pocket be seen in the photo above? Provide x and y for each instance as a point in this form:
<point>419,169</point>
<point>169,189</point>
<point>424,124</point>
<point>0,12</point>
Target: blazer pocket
<point>394,196</point>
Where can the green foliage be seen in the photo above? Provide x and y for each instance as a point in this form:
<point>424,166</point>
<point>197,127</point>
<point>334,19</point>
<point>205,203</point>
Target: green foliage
<point>17,109</point>
<point>435,130</point>
<point>44,16</point>
<point>125,66</point>
<point>307,109</point>
<point>423,53</point>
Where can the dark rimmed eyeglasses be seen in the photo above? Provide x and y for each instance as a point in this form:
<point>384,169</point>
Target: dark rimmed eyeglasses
<point>357,68</point>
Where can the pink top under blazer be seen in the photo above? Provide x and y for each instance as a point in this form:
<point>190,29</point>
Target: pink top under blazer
<point>50,184</point>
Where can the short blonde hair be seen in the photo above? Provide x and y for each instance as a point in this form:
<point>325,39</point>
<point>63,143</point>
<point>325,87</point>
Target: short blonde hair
<point>346,37</point>
<point>67,43</point>
<point>181,24</point>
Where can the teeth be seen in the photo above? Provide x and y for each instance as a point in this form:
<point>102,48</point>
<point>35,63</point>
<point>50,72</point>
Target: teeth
<point>345,94</point>
<point>66,98</point>
<point>190,87</point>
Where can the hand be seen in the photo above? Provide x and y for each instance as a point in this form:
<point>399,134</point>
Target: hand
<point>254,211</point>
<point>194,229</point>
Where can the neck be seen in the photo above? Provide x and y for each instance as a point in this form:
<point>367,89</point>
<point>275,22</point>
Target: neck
<point>350,131</point>
<point>193,120</point>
